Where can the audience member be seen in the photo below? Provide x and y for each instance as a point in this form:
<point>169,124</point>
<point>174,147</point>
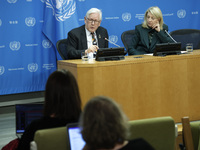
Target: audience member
<point>104,126</point>
<point>151,32</point>
<point>89,37</point>
<point>62,105</point>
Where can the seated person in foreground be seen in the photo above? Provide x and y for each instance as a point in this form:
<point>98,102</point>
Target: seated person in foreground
<point>151,32</point>
<point>105,127</point>
<point>89,37</point>
<point>62,105</point>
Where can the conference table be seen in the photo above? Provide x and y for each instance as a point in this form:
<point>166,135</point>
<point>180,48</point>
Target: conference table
<point>145,86</point>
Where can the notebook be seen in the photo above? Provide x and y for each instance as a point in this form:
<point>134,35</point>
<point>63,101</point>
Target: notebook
<point>25,114</point>
<point>75,140</point>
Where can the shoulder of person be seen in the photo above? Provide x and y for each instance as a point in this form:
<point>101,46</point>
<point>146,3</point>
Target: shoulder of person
<point>100,28</point>
<point>78,29</point>
<point>165,26</point>
<point>141,143</point>
<point>37,121</point>
<point>139,26</point>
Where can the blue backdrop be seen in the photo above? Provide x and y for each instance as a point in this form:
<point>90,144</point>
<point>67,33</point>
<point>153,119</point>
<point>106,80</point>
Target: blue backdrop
<point>29,30</point>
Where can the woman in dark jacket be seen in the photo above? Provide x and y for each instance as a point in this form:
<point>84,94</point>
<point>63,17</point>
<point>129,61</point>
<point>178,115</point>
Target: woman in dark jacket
<point>62,105</point>
<point>151,32</point>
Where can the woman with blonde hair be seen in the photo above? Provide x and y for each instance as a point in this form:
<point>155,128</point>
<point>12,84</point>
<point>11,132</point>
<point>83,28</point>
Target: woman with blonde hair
<point>151,32</point>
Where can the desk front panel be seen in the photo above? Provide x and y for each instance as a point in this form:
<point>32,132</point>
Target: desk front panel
<point>144,87</point>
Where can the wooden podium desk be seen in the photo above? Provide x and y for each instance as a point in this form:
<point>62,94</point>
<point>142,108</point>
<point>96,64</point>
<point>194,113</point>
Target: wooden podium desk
<point>145,87</point>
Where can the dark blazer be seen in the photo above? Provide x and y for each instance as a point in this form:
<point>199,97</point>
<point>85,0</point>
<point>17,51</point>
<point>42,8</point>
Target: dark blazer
<point>140,43</point>
<point>77,41</point>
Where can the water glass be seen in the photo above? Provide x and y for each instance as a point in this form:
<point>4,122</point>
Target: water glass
<point>189,47</point>
<point>84,56</point>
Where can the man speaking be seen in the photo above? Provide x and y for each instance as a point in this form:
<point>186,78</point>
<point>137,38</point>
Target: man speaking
<point>89,37</point>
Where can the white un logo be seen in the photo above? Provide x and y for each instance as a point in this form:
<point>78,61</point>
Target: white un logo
<point>30,21</point>
<point>126,17</point>
<point>15,45</point>
<point>181,13</point>
<point>62,9</point>
<point>0,22</point>
<point>113,38</point>
<point>12,1</point>
<point>2,70</point>
<point>46,44</point>
<point>33,67</point>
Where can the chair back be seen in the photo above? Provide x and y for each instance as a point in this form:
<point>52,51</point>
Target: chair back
<point>127,37</point>
<point>187,36</point>
<point>51,139</point>
<point>159,132</point>
<point>191,133</point>
<point>61,46</point>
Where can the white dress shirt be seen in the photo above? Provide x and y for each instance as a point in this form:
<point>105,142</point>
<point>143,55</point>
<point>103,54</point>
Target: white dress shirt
<point>89,37</point>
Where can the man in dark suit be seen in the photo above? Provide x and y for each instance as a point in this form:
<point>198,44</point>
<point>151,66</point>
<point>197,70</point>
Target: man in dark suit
<point>89,37</point>
<point>151,32</point>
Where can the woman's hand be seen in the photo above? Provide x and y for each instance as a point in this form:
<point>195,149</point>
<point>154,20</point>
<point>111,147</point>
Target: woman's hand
<point>156,26</point>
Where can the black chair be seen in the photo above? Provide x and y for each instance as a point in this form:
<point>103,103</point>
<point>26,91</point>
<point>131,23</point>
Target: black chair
<point>187,36</point>
<point>127,37</point>
<point>61,46</point>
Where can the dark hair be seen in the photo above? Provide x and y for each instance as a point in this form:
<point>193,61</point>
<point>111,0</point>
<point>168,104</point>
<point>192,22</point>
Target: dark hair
<point>103,124</point>
<point>62,97</point>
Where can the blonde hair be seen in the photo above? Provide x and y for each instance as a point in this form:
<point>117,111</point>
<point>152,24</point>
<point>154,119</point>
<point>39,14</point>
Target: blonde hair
<point>156,12</point>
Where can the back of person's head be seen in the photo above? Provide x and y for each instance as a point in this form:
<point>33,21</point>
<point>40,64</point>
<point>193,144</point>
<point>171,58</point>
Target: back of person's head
<point>62,99</point>
<point>103,123</point>
<point>94,10</point>
<point>156,12</point>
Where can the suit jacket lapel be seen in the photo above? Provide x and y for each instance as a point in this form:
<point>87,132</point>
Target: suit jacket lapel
<point>99,38</point>
<point>83,38</point>
<point>154,40</point>
<point>146,37</point>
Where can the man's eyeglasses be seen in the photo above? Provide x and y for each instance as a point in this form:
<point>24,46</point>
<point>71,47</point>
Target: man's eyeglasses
<point>91,21</point>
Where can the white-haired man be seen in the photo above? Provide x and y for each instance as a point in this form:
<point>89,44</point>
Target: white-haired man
<point>89,37</point>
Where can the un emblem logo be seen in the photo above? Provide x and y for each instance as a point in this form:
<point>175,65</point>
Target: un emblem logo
<point>30,21</point>
<point>181,13</point>
<point>46,44</point>
<point>33,67</point>
<point>15,45</point>
<point>0,22</point>
<point>62,9</point>
<point>2,70</point>
<point>12,1</point>
<point>113,38</point>
<point>126,16</point>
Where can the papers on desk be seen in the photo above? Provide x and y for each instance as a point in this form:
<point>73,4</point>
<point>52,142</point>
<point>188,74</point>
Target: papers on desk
<point>150,54</point>
<point>182,52</point>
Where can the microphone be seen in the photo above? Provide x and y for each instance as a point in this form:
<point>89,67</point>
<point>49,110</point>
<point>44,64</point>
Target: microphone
<point>170,36</point>
<point>115,44</point>
<point>112,42</point>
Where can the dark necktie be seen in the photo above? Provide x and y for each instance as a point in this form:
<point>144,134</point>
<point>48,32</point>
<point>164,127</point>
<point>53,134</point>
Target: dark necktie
<point>94,41</point>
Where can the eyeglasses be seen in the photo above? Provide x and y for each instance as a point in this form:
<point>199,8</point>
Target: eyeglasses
<point>91,21</point>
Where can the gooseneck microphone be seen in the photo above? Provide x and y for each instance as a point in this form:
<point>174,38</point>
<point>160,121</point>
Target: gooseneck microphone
<point>112,42</point>
<point>115,45</point>
<point>170,36</point>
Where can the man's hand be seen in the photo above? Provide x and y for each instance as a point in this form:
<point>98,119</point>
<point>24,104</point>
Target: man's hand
<point>92,48</point>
